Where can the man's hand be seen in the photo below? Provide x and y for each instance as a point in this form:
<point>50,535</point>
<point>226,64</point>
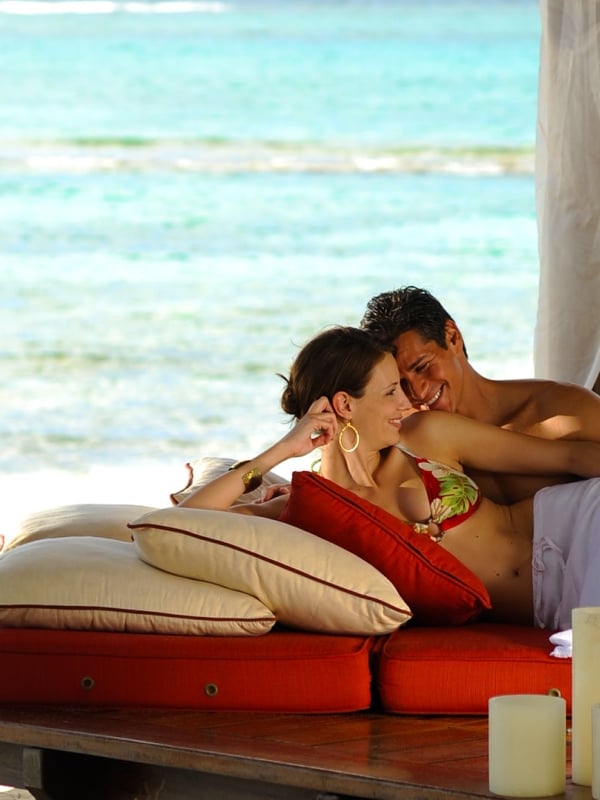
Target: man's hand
<point>277,490</point>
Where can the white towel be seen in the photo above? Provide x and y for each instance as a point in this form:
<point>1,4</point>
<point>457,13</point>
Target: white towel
<point>566,552</point>
<point>564,644</point>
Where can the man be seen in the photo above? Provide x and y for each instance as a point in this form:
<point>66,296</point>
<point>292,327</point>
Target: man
<point>436,374</point>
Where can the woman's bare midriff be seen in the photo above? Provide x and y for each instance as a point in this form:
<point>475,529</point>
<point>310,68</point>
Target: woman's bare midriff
<point>496,544</point>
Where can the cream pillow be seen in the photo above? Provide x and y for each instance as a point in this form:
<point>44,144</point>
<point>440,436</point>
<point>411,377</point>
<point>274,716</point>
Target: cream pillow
<point>307,582</point>
<point>204,470</point>
<point>86,519</point>
<point>100,584</point>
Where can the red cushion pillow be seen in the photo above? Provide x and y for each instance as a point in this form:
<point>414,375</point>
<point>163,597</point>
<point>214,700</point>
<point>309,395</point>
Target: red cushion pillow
<point>439,589</point>
<point>456,670</point>
<point>284,671</point>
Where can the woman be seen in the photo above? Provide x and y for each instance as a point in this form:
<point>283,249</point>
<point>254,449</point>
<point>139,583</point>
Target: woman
<point>345,394</point>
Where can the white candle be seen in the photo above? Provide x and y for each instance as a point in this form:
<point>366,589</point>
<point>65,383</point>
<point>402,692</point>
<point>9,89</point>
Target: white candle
<point>527,745</point>
<point>596,751</point>
<point>586,689</point>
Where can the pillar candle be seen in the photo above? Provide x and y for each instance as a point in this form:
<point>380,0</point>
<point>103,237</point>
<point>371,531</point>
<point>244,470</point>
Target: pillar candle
<point>527,745</point>
<point>586,689</point>
<point>596,751</point>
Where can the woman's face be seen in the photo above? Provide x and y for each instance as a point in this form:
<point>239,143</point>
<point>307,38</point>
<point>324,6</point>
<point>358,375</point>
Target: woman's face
<point>378,413</point>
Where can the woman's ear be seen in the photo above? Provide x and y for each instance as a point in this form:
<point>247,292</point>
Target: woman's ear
<point>342,405</point>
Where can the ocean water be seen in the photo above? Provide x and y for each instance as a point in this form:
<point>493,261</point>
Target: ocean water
<point>189,190</point>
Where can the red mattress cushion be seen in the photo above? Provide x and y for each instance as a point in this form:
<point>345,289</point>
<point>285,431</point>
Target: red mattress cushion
<point>456,670</point>
<point>281,671</point>
<point>437,587</point>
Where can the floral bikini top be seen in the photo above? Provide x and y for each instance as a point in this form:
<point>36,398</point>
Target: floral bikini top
<point>453,497</point>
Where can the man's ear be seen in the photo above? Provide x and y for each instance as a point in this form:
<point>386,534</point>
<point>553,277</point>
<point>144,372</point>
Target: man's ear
<point>342,405</point>
<point>454,339</point>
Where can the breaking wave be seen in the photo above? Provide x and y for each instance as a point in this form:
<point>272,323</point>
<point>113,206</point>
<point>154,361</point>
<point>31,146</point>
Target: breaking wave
<point>80,156</point>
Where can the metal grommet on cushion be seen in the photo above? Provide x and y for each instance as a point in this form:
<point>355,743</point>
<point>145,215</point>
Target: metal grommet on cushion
<point>211,689</point>
<point>87,683</point>
<point>554,693</point>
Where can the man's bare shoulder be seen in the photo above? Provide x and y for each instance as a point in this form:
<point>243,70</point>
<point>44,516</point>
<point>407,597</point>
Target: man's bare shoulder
<point>549,409</point>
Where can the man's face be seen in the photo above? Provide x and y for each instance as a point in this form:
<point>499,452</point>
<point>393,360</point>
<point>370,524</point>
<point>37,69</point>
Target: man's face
<point>431,376</point>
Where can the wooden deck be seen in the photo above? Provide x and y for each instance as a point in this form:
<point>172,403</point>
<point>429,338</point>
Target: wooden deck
<point>82,754</point>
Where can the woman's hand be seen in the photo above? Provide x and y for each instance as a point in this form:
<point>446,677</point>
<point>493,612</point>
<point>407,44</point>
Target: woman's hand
<point>316,429</point>
<point>275,490</point>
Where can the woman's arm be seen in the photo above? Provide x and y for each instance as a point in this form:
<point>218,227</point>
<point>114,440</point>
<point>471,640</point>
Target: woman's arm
<point>315,429</point>
<point>452,438</point>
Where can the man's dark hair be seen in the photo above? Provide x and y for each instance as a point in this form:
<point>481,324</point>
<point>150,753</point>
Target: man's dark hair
<point>390,314</point>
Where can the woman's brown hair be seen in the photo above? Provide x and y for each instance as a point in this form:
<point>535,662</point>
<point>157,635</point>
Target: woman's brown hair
<point>337,359</point>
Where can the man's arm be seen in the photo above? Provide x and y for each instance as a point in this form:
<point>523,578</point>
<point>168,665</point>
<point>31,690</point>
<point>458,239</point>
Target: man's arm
<point>569,412</point>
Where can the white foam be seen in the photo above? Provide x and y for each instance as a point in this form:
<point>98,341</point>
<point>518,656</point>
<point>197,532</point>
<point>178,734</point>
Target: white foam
<point>46,7</point>
<point>74,157</point>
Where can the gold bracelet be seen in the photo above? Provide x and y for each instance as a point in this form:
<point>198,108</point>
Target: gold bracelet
<point>251,479</point>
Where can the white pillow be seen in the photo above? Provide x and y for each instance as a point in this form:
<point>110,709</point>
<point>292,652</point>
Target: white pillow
<point>204,470</point>
<point>100,584</point>
<point>86,519</point>
<point>307,582</point>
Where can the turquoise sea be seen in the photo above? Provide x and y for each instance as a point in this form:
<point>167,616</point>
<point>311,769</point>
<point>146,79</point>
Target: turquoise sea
<point>189,190</point>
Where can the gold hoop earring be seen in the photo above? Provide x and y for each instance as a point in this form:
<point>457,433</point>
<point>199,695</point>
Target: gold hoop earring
<point>341,436</point>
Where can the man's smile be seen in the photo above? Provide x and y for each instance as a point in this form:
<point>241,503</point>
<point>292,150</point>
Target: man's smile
<point>433,400</point>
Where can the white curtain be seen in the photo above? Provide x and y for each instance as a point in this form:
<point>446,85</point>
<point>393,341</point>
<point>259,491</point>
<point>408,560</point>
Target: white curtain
<point>567,336</point>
